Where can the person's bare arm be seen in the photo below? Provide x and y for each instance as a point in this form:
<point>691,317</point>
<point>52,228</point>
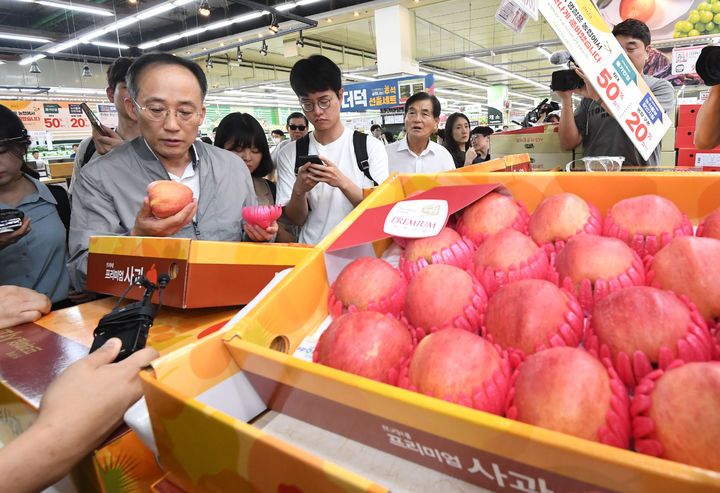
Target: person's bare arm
<point>570,136</point>
<point>297,207</point>
<point>21,305</point>
<point>78,411</point>
<point>707,126</point>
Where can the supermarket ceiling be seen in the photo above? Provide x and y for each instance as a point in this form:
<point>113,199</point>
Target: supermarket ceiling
<point>232,36</point>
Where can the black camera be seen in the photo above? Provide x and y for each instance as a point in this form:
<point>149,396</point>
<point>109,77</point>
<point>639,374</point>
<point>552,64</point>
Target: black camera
<point>534,115</point>
<point>708,65</point>
<point>10,220</point>
<point>130,323</point>
<point>566,80</point>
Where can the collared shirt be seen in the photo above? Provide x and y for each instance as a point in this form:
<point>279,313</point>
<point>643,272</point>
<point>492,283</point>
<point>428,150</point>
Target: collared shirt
<point>433,159</point>
<point>37,260</point>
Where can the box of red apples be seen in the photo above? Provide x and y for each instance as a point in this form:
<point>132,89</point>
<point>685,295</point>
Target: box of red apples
<point>528,332</point>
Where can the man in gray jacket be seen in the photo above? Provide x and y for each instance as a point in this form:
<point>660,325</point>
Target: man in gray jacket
<point>166,99</point>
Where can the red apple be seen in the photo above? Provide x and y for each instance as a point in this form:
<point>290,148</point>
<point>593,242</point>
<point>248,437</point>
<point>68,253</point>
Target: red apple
<point>710,227</point>
<point>425,247</point>
<point>368,283</point>
<point>568,390</point>
<point>641,10</point>
<point>442,296</point>
<point>454,364</point>
<point>532,314</point>
<point>560,216</point>
<point>675,414</point>
<point>168,197</point>
<point>491,214</point>
<point>689,265</point>
<point>368,344</point>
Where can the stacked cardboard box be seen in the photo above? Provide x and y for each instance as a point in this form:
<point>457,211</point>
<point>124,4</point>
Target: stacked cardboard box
<point>688,154</point>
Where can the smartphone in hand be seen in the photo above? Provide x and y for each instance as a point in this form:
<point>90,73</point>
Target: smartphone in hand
<point>94,120</point>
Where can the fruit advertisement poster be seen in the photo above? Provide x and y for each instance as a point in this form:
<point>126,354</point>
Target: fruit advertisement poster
<point>607,67</point>
<point>666,18</point>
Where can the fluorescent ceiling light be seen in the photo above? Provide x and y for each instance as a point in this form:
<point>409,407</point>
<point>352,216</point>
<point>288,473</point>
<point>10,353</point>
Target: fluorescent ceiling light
<point>505,72</point>
<point>31,59</point>
<point>521,95</point>
<point>277,88</point>
<point>359,77</point>
<point>72,6</point>
<point>459,81</point>
<point>459,93</point>
<point>107,44</point>
<point>307,2</point>
<point>543,51</point>
<point>22,37</point>
<point>285,6</point>
<point>64,46</point>
<point>76,90</point>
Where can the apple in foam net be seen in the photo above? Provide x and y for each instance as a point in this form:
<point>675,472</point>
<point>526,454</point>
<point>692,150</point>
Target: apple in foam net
<point>593,257</point>
<point>366,279</point>
<point>647,215</point>
<point>522,314</point>
<point>640,318</point>
<point>506,248</point>
<point>425,247</point>
<point>685,404</point>
<point>436,295</point>
<point>689,265</point>
<point>563,389</point>
<point>368,344</point>
<point>491,214</point>
<point>711,225</point>
<point>452,361</point>
<point>558,217</point>
<point>168,197</point>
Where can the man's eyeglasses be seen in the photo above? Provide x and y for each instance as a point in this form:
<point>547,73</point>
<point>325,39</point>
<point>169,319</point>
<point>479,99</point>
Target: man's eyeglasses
<point>159,113</point>
<point>300,127</point>
<point>323,104</point>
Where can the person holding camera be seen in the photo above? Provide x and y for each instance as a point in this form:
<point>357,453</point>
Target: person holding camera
<point>596,128</point>
<point>707,126</point>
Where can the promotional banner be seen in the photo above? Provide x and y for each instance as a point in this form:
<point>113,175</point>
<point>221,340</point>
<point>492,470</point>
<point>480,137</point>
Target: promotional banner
<point>497,96</point>
<point>623,90</point>
<point>60,119</point>
<point>384,93</point>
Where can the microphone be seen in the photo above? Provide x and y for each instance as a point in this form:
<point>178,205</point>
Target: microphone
<point>561,57</point>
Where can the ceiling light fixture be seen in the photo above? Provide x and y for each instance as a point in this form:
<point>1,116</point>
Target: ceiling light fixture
<point>356,13</point>
<point>505,72</point>
<point>109,45</point>
<point>208,62</point>
<point>86,70</point>
<point>329,19</point>
<point>544,52</point>
<point>22,37</point>
<point>274,26</point>
<point>301,41</point>
<point>72,6</point>
<point>204,8</point>
<point>132,2</point>
<point>239,57</point>
<point>264,49</point>
<point>34,68</point>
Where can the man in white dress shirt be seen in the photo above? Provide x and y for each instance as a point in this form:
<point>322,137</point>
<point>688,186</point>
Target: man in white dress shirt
<point>416,153</point>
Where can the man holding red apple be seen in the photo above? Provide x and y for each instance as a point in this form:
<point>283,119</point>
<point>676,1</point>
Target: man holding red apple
<point>166,100</point>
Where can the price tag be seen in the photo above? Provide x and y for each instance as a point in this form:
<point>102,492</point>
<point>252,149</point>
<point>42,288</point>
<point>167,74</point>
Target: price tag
<point>623,90</point>
<point>512,15</point>
<point>416,218</point>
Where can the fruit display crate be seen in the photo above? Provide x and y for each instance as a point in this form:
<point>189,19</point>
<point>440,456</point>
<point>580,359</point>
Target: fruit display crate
<point>252,362</point>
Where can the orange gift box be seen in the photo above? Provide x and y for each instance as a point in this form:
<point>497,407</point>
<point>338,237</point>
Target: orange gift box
<point>459,443</point>
<point>204,273</point>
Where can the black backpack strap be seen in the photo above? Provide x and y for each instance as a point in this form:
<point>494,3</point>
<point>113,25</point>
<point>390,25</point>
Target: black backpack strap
<point>361,154</point>
<point>62,206</point>
<point>273,189</point>
<point>302,146</point>
<point>89,151</point>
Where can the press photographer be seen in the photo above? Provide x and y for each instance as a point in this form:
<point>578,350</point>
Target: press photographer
<point>707,127</point>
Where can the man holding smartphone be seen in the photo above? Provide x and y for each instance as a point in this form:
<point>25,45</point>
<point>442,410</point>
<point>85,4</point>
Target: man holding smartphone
<point>321,195</point>
<point>127,129</point>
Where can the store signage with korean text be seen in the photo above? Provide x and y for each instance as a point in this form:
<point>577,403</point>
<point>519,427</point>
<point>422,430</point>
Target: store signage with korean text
<point>684,59</point>
<point>384,93</point>
<point>606,65</point>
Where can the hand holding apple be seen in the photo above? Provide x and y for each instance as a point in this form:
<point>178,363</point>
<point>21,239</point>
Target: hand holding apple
<point>168,197</point>
<point>146,224</point>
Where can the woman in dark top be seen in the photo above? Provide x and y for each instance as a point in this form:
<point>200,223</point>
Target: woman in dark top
<point>241,134</point>
<point>457,137</point>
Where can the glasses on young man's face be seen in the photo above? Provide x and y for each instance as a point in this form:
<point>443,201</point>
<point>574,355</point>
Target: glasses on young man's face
<point>323,104</point>
<point>301,127</point>
<point>158,113</point>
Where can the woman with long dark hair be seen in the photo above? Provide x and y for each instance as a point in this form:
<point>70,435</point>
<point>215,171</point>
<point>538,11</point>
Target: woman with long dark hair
<point>243,135</point>
<point>32,256</point>
<point>457,137</point>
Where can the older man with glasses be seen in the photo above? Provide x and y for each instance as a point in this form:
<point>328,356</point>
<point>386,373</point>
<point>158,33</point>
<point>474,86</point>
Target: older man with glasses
<point>166,99</point>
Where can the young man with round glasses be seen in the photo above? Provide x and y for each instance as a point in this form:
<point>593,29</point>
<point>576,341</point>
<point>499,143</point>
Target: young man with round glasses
<point>319,196</point>
<point>166,96</point>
